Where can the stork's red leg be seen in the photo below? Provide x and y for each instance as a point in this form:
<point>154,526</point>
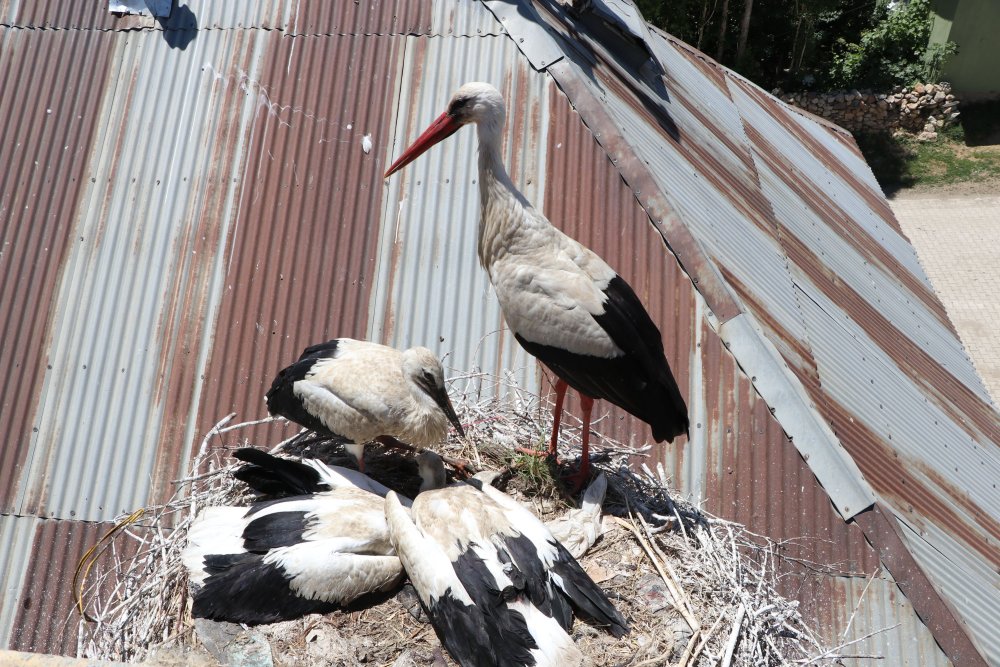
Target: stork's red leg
<point>556,418</point>
<point>580,476</point>
<point>561,387</point>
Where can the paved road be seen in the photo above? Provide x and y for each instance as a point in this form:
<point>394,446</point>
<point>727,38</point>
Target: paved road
<point>958,242</point>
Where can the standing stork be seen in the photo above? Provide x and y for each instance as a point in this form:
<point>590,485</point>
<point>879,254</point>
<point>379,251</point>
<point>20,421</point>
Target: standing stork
<point>363,391</point>
<point>565,305</point>
<point>498,587</point>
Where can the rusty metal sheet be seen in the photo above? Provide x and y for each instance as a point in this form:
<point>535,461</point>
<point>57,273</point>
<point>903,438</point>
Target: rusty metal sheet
<point>937,611</point>
<point>53,83</point>
<point>300,257</point>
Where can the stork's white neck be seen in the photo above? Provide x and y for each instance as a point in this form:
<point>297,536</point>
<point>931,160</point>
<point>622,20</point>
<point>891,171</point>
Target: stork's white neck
<point>503,207</point>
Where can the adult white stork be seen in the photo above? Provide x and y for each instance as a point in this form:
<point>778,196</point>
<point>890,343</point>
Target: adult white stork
<point>363,391</point>
<point>318,542</point>
<point>565,305</point>
<point>498,587</point>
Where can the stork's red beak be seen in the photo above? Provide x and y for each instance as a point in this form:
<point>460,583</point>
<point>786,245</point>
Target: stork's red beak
<point>439,130</point>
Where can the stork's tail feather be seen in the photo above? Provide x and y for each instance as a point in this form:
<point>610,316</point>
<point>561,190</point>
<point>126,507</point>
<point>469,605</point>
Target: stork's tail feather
<point>274,476</point>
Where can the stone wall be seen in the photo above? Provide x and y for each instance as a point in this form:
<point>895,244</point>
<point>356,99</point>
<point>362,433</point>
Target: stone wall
<point>923,109</point>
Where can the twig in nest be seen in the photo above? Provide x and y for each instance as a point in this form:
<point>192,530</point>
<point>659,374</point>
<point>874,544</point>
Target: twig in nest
<point>734,635</point>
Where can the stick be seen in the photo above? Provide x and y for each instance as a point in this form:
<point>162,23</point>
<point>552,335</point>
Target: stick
<point>734,635</point>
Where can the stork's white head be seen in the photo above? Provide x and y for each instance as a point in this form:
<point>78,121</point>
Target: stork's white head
<point>475,102</point>
<point>423,371</point>
<point>431,468</point>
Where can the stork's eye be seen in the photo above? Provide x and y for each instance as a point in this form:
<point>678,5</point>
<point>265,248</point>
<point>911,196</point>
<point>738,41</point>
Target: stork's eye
<point>457,105</point>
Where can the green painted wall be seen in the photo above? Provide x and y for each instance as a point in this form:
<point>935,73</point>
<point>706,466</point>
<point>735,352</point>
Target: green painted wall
<point>975,26</point>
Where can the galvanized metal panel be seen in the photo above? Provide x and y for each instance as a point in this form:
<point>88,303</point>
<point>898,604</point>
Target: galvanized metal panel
<point>971,585</point>
<point>53,83</point>
<point>533,40</point>
<point>843,233</point>
<point>922,437</point>
<point>130,316</point>
<point>710,163</point>
<point>17,541</point>
<point>429,289</point>
<point>300,257</point>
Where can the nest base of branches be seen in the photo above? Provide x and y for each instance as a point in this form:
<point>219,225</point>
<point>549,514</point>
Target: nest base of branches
<point>695,589</point>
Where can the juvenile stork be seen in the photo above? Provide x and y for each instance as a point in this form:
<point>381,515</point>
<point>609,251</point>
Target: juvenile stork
<point>362,391</point>
<point>498,587</point>
<point>565,305</point>
<point>316,541</point>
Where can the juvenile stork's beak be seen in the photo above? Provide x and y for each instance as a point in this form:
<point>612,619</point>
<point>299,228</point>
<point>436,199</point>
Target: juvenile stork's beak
<point>439,130</point>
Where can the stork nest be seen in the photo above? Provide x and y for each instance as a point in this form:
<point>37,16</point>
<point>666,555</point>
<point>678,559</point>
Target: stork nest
<point>696,590</point>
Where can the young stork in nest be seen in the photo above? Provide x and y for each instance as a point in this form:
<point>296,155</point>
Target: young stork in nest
<point>565,305</point>
<point>498,587</point>
<point>317,543</point>
<point>362,391</point>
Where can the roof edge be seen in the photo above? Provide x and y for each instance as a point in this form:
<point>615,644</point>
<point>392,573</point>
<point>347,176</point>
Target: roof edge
<point>883,532</point>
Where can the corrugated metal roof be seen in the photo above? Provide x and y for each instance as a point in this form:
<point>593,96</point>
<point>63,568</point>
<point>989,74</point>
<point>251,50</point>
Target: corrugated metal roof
<point>883,624</point>
<point>145,251</point>
<point>47,618</point>
<point>188,15</point>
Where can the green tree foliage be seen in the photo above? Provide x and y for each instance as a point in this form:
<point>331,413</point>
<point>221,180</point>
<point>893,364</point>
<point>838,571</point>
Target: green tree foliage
<point>796,44</point>
<point>893,51</point>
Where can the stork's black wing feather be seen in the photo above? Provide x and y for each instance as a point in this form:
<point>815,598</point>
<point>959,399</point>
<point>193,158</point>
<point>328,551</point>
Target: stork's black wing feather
<point>275,476</point>
<point>504,629</point>
<point>278,529</point>
<point>242,588</point>
<point>281,399</point>
<point>587,598</point>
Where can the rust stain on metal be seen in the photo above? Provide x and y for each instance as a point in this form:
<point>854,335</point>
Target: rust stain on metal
<point>305,240</point>
<point>184,316</point>
<point>757,477</point>
<point>373,18</point>
<point>934,610</point>
<point>48,129</point>
<point>688,251</point>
